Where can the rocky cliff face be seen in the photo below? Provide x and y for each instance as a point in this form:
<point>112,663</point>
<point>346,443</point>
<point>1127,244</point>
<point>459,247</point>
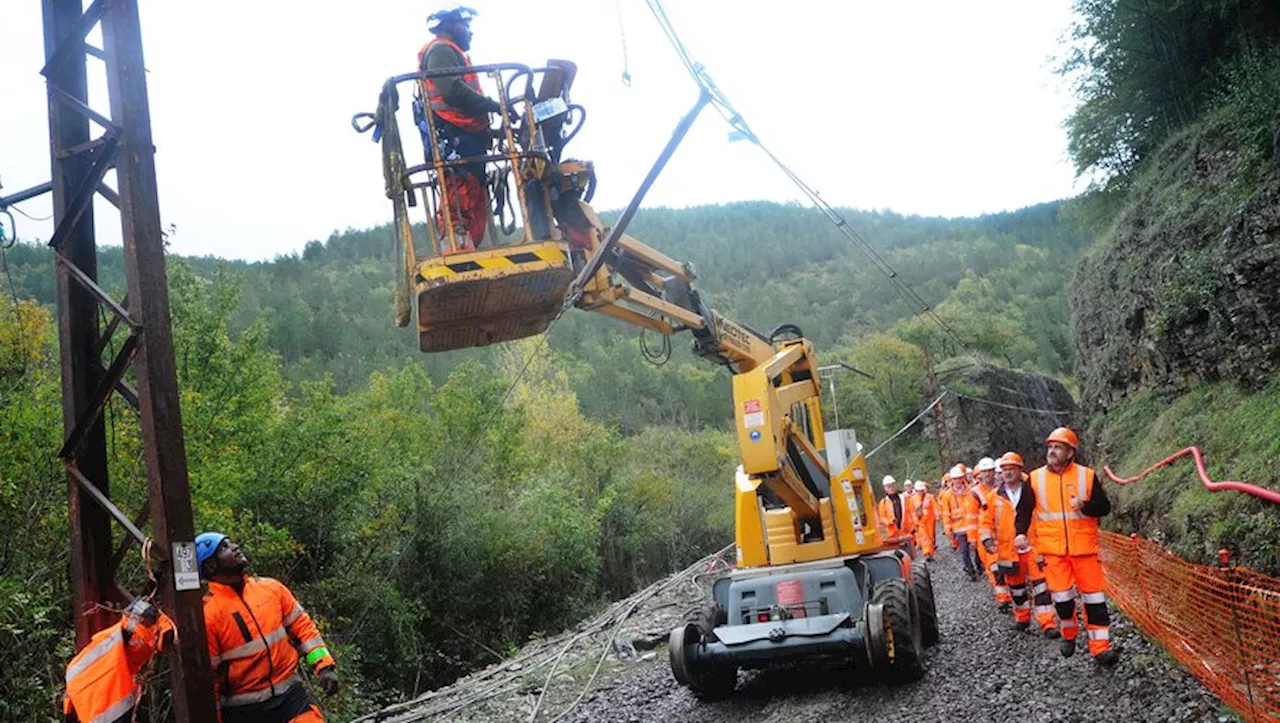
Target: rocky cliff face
<point>1185,289</point>
<point>1008,411</point>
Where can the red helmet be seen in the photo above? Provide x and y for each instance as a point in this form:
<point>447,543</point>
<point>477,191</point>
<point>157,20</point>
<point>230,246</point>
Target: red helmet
<point>1062,435</point>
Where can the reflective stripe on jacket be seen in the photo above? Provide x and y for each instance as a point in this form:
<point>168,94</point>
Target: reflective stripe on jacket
<point>952,512</point>
<point>974,500</point>
<point>1059,529</point>
<point>997,522</point>
<point>100,678</point>
<point>922,510</point>
<point>255,637</point>
<point>435,99</point>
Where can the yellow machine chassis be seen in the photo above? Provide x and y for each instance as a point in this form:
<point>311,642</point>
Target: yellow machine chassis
<point>491,295</point>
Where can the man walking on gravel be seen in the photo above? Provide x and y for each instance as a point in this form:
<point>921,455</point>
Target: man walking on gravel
<point>923,511</point>
<point>1006,532</point>
<point>893,509</point>
<point>955,522</point>
<point>978,499</point>
<point>1069,501</point>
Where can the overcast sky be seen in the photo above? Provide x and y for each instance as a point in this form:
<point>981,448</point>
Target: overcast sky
<point>936,108</point>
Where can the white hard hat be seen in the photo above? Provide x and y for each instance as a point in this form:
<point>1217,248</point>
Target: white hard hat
<point>986,464</point>
<point>889,480</point>
<point>957,472</point>
<point>921,486</point>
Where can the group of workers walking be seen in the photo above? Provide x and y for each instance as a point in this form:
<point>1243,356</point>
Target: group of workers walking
<point>1033,535</point>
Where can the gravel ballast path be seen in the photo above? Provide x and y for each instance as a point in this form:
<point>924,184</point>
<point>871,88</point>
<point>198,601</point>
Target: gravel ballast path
<point>980,671</point>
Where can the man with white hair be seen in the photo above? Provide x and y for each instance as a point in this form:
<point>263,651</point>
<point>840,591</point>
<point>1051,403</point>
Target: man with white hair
<point>893,510</point>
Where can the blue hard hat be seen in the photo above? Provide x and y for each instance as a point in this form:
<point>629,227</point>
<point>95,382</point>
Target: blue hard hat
<point>207,544</point>
<point>449,16</point>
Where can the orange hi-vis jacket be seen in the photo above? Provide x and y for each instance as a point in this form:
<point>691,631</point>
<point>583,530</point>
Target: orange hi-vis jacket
<point>975,499</point>
<point>1059,528</point>
<point>923,511</point>
<point>889,520</point>
<point>101,678</point>
<point>952,511</point>
<point>999,521</point>
<point>252,637</point>
<point>435,99</point>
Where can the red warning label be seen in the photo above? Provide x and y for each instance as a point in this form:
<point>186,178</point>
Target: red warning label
<point>789,592</point>
<point>751,406</point>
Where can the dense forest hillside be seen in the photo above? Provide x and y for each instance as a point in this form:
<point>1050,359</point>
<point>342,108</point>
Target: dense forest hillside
<point>436,511</point>
<point>998,279</point>
<point>394,490</point>
<point>1176,308</point>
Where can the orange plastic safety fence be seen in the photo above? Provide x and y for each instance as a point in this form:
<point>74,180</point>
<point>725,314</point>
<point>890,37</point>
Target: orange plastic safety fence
<point>1221,623</point>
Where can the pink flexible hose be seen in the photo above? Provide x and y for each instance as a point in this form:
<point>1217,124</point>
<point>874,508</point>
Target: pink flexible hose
<point>1271,496</point>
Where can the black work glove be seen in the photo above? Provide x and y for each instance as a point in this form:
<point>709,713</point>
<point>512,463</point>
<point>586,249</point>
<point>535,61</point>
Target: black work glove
<point>493,106</point>
<point>329,681</point>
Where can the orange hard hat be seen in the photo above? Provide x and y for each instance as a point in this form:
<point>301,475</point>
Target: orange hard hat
<point>1065,436</point>
<point>1011,458</point>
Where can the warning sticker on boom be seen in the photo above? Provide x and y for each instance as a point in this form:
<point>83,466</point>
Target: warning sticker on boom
<point>751,414</point>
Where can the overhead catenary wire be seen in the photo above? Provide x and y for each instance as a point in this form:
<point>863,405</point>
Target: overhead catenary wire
<point>1014,407</point>
<point>622,42</point>
<point>908,425</point>
<point>20,340</point>
<point>958,395</point>
<point>743,131</point>
<point>33,218</point>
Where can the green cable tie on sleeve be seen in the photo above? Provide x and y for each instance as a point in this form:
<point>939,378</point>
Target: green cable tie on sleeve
<point>315,655</point>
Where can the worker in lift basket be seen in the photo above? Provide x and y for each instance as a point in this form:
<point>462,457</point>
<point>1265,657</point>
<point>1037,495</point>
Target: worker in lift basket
<point>1069,501</point>
<point>461,119</point>
<point>893,509</point>
<point>257,631</point>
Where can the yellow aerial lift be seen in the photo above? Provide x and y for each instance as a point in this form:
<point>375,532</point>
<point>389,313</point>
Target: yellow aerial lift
<point>815,578</point>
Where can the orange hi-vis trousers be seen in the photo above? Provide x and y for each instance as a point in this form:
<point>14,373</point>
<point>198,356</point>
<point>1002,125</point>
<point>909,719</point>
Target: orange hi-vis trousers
<point>1068,573</point>
<point>925,539</point>
<point>311,715</point>
<point>994,575</point>
<point>468,203</point>
<point>1026,581</point>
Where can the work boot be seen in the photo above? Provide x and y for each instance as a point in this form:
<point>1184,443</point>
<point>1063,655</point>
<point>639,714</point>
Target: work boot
<point>1021,627</point>
<point>1067,647</point>
<point>1052,634</point>
<point>1005,607</point>
<point>973,576</point>
<point>1107,658</point>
